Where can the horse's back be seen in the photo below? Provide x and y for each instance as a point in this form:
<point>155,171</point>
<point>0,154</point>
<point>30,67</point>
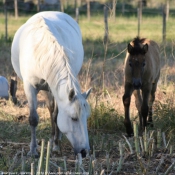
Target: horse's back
<point>60,24</point>
<point>15,51</point>
<point>57,25</point>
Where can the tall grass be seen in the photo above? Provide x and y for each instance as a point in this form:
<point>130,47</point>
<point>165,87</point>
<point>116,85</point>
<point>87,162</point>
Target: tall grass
<point>105,118</point>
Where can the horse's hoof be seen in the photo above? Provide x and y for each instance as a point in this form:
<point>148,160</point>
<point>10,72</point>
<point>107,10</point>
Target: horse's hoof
<point>33,154</point>
<point>129,135</point>
<point>56,149</point>
<point>150,124</point>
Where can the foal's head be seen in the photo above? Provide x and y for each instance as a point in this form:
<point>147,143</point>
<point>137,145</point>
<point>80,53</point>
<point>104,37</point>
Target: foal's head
<point>137,51</point>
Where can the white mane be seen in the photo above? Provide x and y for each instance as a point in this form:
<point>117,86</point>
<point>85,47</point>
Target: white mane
<point>51,57</point>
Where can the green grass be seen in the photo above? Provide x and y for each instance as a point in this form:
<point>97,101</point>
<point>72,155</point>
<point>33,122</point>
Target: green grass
<point>122,30</point>
<point>105,118</point>
<point>125,28</point>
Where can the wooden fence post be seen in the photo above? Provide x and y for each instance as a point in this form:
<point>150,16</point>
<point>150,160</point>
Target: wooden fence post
<point>16,8</point>
<point>106,25</point>
<point>77,14</point>
<point>6,21</point>
<point>114,8</point>
<point>139,15</point>
<point>105,40</point>
<point>167,9</point>
<point>88,10</point>
<point>164,23</point>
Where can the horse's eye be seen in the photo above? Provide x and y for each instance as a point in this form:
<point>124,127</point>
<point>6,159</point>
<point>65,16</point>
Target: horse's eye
<point>143,64</point>
<point>74,119</point>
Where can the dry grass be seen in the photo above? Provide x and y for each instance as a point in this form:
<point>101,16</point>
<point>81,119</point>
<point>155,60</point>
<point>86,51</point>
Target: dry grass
<point>106,121</point>
<point>105,124</point>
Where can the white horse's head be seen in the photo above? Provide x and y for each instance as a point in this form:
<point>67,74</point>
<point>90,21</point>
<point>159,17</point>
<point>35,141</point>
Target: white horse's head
<point>72,120</point>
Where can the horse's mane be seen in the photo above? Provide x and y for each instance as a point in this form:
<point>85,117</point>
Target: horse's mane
<point>137,45</point>
<point>51,57</point>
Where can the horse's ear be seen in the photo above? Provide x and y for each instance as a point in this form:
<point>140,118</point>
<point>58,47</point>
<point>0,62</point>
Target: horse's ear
<point>71,94</point>
<point>145,48</point>
<point>130,48</point>
<point>86,94</point>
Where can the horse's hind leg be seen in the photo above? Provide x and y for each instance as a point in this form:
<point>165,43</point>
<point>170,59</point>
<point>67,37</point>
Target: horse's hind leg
<point>31,94</point>
<point>53,110</point>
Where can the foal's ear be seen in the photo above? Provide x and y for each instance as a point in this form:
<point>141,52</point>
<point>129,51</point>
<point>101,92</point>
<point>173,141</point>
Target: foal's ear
<point>71,94</point>
<point>130,48</point>
<point>86,94</point>
<point>145,48</point>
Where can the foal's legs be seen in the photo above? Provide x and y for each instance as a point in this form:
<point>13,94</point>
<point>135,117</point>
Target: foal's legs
<point>126,103</point>
<point>144,107</point>
<point>138,103</point>
<point>31,94</point>
<point>151,101</point>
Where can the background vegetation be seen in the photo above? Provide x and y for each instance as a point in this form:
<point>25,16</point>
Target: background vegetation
<point>106,121</point>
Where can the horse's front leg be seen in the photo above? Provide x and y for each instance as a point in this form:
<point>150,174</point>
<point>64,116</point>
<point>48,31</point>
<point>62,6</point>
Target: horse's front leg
<point>138,103</point>
<point>151,101</point>
<point>31,94</point>
<point>145,108</point>
<point>126,103</point>
<point>57,133</point>
<point>53,110</point>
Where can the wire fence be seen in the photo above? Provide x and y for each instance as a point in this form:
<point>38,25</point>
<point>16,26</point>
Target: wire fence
<point>19,7</point>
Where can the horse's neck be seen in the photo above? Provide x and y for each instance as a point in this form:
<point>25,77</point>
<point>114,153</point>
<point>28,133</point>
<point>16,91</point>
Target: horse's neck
<point>62,91</point>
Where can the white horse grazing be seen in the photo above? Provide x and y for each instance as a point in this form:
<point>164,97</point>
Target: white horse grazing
<point>47,54</point>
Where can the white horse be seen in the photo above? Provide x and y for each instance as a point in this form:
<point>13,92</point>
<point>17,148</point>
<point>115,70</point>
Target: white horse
<point>47,53</point>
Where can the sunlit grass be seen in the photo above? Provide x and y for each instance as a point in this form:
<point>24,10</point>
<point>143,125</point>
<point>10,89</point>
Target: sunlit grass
<point>126,28</point>
<point>122,29</point>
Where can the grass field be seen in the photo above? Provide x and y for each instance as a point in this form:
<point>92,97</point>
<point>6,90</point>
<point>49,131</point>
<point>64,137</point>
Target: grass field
<point>106,121</point>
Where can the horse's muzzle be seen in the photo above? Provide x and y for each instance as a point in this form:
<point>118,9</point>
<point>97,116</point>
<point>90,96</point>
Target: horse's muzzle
<point>137,83</point>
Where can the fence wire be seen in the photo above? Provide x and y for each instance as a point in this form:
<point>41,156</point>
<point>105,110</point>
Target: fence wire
<point>127,9</point>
